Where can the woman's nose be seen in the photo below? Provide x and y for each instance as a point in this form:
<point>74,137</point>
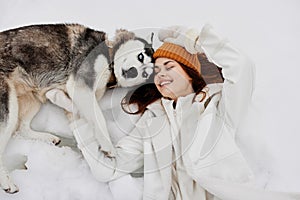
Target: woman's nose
<point>161,73</point>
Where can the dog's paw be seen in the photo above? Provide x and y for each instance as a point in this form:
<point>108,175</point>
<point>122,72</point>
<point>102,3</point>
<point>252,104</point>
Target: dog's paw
<point>12,189</point>
<point>42,136</point>
<point>7,185</point>
<point>49,138</point>
<point>56,140</point>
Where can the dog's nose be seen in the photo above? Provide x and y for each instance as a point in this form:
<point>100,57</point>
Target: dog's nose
<point>130,73</point>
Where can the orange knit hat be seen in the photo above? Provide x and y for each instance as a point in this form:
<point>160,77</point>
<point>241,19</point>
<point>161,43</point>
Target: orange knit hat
<point>179,54</point>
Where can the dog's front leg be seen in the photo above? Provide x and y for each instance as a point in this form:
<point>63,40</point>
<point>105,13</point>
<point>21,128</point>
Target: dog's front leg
<point>85,101</point>
<point>28,108</point>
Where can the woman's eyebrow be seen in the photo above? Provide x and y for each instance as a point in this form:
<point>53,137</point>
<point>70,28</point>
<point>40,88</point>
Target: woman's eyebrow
<point>167,62</point>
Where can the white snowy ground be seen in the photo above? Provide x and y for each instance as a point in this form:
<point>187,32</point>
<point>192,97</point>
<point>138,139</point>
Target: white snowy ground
<point>268,31</point>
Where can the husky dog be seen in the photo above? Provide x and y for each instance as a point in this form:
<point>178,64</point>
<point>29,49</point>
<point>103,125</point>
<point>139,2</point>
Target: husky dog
<point>127,58</point>
<point>69,57</point>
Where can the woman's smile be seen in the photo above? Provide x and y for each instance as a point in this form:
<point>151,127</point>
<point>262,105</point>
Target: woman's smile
<point>164,82</point>
<point>170,79</point>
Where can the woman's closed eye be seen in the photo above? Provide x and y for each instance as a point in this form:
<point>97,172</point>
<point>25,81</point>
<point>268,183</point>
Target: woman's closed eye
<point>167,68</point>
<point>170,67</point>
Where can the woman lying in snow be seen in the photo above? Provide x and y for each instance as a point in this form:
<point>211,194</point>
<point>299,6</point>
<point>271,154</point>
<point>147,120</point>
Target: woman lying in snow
<point>184,141</point>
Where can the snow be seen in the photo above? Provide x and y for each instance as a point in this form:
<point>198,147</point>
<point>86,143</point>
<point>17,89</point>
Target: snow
<point>268,31</point>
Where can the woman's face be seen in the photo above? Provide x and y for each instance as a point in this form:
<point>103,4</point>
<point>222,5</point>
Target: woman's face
<point>170,79</point>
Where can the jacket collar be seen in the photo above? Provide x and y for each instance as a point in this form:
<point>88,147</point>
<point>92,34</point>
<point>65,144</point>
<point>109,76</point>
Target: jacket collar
<point>157,107</point>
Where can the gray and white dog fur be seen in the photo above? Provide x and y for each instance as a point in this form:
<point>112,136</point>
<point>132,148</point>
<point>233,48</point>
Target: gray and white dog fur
<point>70,57</point>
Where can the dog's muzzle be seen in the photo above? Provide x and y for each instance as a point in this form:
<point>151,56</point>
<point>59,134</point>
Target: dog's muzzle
<point>130,73</point>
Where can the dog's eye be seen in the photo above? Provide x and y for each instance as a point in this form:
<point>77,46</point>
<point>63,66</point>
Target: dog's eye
<point>144,75</point>
<point>141,57</point>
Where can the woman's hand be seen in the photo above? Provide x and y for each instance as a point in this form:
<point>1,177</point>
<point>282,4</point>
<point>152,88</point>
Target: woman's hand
<point>182,36</point>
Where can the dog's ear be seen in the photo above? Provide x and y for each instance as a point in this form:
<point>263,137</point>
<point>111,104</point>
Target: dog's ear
<point>149,47</point>
<point>121,37</point>
<point>149,38</point>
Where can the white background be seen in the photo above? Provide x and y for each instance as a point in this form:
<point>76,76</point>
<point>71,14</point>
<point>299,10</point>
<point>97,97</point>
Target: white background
<point>267,31</point>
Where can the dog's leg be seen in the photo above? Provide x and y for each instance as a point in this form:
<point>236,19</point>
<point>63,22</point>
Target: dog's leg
<point>86,102</point>
<point>8,124</point>
<point>5,180</point>
<point>28,108</point>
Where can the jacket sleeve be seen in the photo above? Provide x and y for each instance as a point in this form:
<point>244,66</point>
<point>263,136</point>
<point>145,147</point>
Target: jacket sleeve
<point>129,152</point>
<point>211,149</point>
<point>238,72</point>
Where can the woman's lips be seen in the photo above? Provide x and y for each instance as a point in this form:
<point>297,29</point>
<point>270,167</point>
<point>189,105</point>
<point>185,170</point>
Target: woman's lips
<point>166,82</point>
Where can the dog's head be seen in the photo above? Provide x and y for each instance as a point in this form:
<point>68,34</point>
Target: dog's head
<point>132,59</point>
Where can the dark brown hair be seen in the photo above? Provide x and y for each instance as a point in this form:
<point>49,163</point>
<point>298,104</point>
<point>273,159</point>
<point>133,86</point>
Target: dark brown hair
<point>145,94</point>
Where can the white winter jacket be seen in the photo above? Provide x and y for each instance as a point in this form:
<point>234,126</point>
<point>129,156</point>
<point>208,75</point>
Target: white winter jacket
<point>209,152</point>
